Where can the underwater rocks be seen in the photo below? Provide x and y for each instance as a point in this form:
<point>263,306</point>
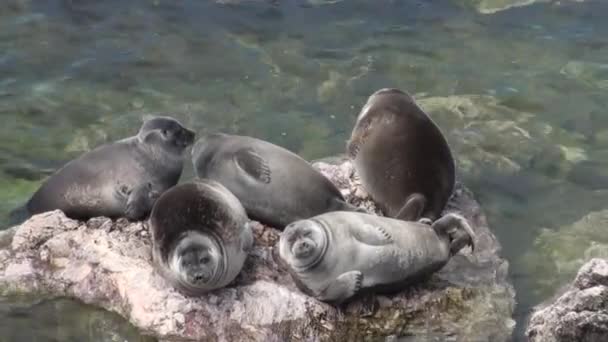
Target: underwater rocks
<point>487,135</point>
<point>578,314</point>
<point>559,253</point>
<point>494,6</point>
<point>108,264</point>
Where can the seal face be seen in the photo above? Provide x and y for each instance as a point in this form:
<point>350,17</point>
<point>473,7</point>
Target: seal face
<point>402,157</point>
<point>120,179</point>
<point>274,185</point>
<point>200,236</point>
<point>334,255</point>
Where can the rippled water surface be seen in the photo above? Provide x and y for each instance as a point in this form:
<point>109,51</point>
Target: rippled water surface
<point>520,94</point>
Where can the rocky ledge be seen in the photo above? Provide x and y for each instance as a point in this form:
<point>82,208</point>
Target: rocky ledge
<point>580,313</point>
<point>107,264</point>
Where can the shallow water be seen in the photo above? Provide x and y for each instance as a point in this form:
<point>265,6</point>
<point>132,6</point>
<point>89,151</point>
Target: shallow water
<point>77,73</point>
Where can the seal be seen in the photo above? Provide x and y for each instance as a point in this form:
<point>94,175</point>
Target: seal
<point>402,157</point>
<point>200,236</point>
<point>334,255</point>
<point>275,185</point>
<point>120,179</point>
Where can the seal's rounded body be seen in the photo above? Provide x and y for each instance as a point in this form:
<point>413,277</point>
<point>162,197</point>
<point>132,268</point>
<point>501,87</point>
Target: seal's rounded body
<point>334,255</point>
<point>200,236</point>
<point>120,179</point>
<point>274,185</point>
<point>402,157</point>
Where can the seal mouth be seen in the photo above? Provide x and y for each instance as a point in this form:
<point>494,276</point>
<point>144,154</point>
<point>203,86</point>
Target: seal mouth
<point>303,249</point>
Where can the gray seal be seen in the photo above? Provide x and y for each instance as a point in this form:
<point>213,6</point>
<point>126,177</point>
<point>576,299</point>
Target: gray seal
<point>402,157</point>
<point>275,185</point>
<point>334,255</point>
<point>200,236</point>
<point>120,179</point>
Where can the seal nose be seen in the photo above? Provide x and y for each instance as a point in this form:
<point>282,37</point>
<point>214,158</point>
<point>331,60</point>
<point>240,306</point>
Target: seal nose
<point>187,137</point>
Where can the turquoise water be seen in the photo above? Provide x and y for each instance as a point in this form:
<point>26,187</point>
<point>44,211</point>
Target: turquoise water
<point>521,95</point>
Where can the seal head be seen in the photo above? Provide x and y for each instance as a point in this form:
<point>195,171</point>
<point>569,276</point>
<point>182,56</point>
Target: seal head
<point>166,132</point>
<point>303,244</point>
<point>197,260</point>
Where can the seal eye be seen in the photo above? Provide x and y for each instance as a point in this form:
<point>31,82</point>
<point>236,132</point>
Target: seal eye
<point>205,260</point>
<point>164,132</point>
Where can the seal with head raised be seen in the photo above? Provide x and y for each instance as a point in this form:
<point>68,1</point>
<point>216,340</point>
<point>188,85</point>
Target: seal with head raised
<point>120,179</point>
<point>402,157</point>
<point>275,185</point>
<point>200,236</point>
<point>334,255</point>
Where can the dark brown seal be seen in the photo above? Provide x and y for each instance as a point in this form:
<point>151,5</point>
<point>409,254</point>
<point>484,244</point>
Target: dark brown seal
<point>402,157</point>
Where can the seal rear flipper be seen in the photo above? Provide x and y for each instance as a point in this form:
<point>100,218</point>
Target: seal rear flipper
<point>343,287</point>
<point>460,236</point>
<point>413,208</point>
<point>253,164</point>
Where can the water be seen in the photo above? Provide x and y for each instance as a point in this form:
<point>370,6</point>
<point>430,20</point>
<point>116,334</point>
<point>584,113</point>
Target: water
<point>531,84</point>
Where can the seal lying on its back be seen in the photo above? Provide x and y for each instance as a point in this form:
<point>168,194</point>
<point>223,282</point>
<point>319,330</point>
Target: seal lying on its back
<point>334,255</point>
<point>200,236</point>
<point>120,179</point>
<point>402,158</point>
<point>275,186</point>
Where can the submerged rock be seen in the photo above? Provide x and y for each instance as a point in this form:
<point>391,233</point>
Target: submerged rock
<point>107,264</point>
<point>494,6</point>
<point>578,314</point>
<point>559,253</point>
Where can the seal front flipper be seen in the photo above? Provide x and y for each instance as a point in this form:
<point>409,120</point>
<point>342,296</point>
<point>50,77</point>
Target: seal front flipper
<point>253,164</point>
<point>140,201</point>
<point>372,235</point>
<point>344,286</point>
<point>413,208</point>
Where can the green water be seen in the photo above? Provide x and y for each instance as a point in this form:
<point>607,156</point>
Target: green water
<point>520,94</point>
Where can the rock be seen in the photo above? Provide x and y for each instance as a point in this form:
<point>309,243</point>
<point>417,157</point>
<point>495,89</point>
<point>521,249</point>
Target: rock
<point>558,253</point>
<point>494,6</point>
<point>107,264</point>
<point>580,313</point>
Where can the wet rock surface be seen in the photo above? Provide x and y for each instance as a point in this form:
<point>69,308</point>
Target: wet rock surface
<point>580,313</point>
<point>107,264</point>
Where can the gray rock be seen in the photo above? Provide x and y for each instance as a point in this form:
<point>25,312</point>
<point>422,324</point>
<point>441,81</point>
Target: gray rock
<point>580,313</point>
<point>107,264</point>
